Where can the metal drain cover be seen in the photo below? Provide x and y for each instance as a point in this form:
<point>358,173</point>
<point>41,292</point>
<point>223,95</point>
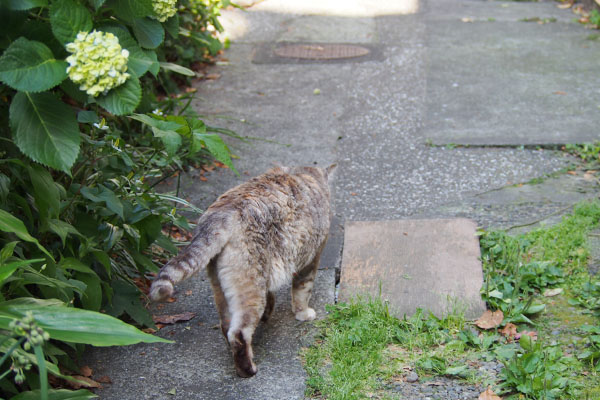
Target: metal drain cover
<point>323,51</point>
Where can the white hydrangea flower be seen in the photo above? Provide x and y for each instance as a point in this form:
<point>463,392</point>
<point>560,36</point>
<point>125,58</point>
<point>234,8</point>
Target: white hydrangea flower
<point>164,9</point>
<point>97,63</point>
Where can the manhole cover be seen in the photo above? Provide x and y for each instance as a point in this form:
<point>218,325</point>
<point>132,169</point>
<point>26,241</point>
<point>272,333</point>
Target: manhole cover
<point>321,51</point>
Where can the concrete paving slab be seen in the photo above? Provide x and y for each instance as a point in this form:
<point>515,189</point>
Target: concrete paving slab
<point>429,264</point>
<point>510,82</point>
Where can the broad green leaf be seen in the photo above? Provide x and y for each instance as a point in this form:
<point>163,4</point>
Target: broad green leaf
<point>177,68</point>
<point>149,32</point>
<point>74,325</point>
<point>217,148</point>
<point>75,265</point>
<point>8,269</point>
<point>57,394</point>
<point>26,4</point>
<point>47,195</point>
<point>127,300</point>
<point>156,123</point>
<point>155,66</point>
<point>11,224</point>
<point>42,371</point>
<point>105,195</point>
<point>534,309</point>
<point>45,129</point>
<point>139,61</point>
<point>68,18</point>
<point>87,117</point>
<point>172,26</point>
<point>171,139</point>
<point>97,3</point>
<point>92,298</point>
<point>30,66</point>
<point>130,9</point>
<point>179,200</point>
<point>123,99</point>
<point>113,234</point>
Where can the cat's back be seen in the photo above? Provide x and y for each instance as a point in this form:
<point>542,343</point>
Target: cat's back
<point>280,195</point>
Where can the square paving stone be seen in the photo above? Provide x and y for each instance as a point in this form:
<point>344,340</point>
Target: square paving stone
<point>431,264</point>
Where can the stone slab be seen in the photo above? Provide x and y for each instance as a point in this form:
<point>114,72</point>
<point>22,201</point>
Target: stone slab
<point>509,82</point>
<point>429,264</point>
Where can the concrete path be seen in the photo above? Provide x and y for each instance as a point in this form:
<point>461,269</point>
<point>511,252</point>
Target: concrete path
<point>374,118</point>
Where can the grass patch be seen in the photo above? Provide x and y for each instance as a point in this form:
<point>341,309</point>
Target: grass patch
<point>552,352</point>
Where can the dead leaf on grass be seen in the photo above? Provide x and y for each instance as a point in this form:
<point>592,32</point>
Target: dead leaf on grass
<point>572,172</point>
<point>171,319</point>
<point>532,334</point>
<point>489,395</point>
<point>553,292</point>
<point>509,331</point>
<point>490,319</point>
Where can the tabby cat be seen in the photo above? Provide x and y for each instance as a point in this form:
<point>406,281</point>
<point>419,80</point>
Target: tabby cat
<point>253,239</point>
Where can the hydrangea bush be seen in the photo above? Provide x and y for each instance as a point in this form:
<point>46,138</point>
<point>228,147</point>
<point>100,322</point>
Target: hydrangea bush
<point>81,222</point>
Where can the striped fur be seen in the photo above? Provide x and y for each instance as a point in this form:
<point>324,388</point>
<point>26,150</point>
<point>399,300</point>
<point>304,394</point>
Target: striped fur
<point>255,238</point>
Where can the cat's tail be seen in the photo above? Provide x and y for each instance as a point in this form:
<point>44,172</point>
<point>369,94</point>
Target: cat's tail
<point>212,234</point>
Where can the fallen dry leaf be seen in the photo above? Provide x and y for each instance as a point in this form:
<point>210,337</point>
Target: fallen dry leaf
<point>532,334</point>
<point>489,395</point>
<point>490,319</point>
<point>565,5</point>
<point>85,371</point>
<point>509,331</point>
<point>552,292</point>
<point>104,379</point>
<point>188,292</point>
<point>82,381</point>
<point>559,92</point>
<point>467,19</point>
<point>149,330</point>
<point>572,172</point>
<point>171,300</point>
<point>171,319</point>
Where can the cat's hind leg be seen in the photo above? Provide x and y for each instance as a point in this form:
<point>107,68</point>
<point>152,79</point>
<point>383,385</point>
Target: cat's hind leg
<point>247,303</point>
<point>302,285</point>
<point>269,306</point>
<point>220,300</point>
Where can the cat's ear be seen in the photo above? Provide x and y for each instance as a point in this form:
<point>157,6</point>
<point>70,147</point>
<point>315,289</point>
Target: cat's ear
<point>330,170</point>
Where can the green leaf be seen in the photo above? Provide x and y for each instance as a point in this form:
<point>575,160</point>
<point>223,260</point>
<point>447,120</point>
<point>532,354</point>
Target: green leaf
<point>45,129</point>
<point>155,66</point>
<point>172,26</point>
<point>171,139</point>
<point>127,300</point>
<point>149,32</point>
<point>97,3</point>
<point>156,123</point>
<point>47,195</point>
<point>130,9</point>
<point>74,325</point>
<point>30,66</point>
<point>217,148</point>
<point>41,363</point>
<point>75,265</point>
<point>68,18</point>
<point>177,68</point>
<point>92,298</point>
<point>57,394</point>
<point>26,4</point>
<point>4,187</point>
<point>8,269</point>
<point>102,194</point>
<point>87,117</point>
<point>7,251</point>
<point>123,99</point>
<point>11,224</point>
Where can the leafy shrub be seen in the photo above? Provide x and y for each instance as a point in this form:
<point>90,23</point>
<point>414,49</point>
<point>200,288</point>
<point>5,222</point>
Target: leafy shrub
<point>82,152</point>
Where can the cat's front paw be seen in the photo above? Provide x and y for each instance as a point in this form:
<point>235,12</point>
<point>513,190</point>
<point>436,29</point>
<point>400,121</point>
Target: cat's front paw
<point>306,315</point>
